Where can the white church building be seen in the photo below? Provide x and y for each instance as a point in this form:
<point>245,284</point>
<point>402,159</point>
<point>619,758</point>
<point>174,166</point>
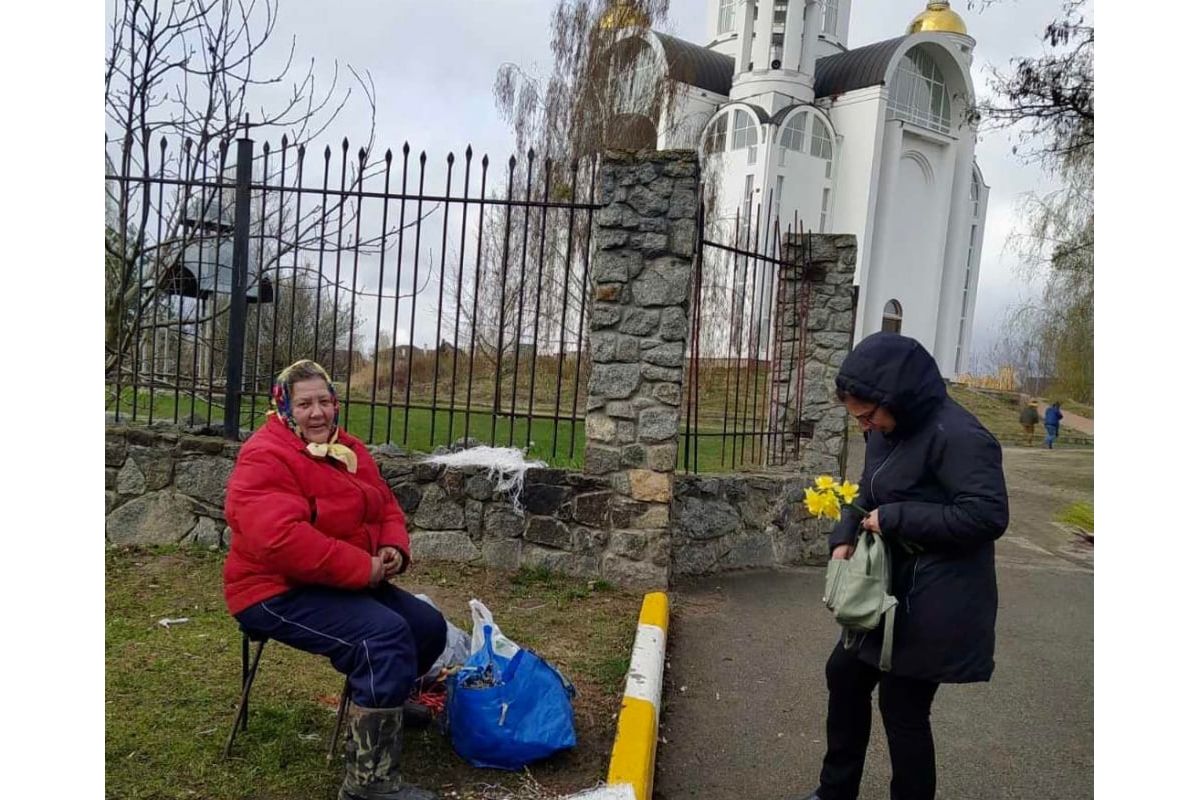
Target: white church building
<point>876,141</point>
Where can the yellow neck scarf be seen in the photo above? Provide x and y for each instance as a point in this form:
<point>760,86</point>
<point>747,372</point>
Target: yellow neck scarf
<point>338,452</point>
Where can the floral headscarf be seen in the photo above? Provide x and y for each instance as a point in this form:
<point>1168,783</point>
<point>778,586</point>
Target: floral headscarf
<point>281,406</point>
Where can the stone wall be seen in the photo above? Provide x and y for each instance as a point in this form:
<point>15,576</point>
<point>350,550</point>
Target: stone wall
<point>564,522</point>
<point>164,486</point>
<point>645,242</point>
<point>724,522</point>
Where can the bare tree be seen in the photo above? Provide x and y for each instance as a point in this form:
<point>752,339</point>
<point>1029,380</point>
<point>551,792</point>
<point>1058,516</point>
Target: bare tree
<point>182,80</point>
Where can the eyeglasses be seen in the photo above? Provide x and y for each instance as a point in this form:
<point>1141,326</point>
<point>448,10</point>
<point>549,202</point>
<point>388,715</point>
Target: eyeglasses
<point>867,417</point>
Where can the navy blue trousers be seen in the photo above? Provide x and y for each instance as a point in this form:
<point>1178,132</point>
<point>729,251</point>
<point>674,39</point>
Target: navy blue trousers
<point>382,639</point>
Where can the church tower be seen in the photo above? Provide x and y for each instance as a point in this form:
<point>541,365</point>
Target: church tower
<point>775,45</point>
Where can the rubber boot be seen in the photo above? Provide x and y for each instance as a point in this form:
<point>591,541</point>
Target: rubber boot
<point>373,757</point>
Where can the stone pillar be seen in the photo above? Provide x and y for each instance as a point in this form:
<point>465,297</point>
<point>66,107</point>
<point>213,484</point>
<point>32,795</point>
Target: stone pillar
<point>642,284</point>
<point>813,342</point>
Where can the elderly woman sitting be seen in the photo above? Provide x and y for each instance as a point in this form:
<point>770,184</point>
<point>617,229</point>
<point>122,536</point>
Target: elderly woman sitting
<point>317,533</point>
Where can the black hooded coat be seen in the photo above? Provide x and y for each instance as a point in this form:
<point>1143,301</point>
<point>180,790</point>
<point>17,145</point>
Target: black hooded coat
<point>938,482</point>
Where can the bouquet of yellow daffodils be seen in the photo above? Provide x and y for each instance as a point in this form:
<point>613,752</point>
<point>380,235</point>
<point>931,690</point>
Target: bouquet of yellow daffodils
<point>826,497</point>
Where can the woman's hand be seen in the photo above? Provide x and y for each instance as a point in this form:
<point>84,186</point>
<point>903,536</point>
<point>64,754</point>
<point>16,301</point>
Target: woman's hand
<point>843,552</point>
<point>871,522</point>
<point>377,572</point>
<point>393,560</point>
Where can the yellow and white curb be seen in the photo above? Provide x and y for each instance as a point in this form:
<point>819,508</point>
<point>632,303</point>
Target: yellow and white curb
<point>636,743</point>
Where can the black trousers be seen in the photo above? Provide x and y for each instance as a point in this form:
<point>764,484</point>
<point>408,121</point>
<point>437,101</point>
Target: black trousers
<point>904,704</point>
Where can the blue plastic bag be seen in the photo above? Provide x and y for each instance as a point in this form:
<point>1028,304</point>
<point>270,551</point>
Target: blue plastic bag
<point>505,713</point>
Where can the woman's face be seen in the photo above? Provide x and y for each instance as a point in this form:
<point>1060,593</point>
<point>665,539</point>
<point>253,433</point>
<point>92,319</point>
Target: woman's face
<point>870,416</point>
<point>312,409</point>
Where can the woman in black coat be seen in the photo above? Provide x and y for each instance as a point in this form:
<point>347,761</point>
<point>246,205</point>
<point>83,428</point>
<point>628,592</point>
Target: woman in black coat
<point>932,477</point>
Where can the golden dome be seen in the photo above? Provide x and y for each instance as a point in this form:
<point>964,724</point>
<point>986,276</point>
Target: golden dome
<point>621,14</point>
<point>938,16</point>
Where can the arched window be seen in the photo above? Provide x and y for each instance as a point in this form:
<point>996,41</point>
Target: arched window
<point>792,135</point>
<point>725,11</point>
<point>635,75</point>
<point>829,23</point>
<point>918,93</point>
<point>744,134</point>
<point>975,194</point>
<point>892,315</point>
<point>821,144</point>
<point>714,140</point>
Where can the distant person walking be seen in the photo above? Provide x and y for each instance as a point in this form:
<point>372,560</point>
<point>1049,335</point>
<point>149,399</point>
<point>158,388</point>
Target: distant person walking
<point>1054,416</point>
<point>1029,421</point>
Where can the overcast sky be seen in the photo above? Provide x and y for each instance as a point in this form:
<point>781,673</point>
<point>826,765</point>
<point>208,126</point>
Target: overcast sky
<point>433,66</point>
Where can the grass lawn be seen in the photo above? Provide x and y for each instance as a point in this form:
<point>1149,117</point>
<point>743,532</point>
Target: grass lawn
<point>171,693</point>
<point>424,424</point>
<point>1081,409</point>
<point>1001,418</point>
<point>1081,515</point>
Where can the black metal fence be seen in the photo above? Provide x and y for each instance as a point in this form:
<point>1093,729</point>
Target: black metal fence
<point>445,299</point>
<point>737,394</point>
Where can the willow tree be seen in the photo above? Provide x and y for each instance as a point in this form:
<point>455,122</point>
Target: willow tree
<point>1049,100</point>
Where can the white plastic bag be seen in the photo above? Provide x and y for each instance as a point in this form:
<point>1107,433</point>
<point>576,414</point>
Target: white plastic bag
<point>501,644</point>
<point>458,645</point>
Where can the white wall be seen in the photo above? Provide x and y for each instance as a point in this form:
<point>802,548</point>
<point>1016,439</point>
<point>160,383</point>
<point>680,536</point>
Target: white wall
<point>693,109</point>
<point>907,263</point>
<point>958,246</point>
<point>858,124</point>
<point>803,184</point>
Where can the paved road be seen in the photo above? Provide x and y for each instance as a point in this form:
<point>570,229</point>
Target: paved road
<point>745,694</point>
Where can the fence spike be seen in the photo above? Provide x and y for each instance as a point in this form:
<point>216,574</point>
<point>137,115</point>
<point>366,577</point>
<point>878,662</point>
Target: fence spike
<point>284,141</point>
<point>387,157</point>
<point>405,150</point>
<point>328,154</point>
<point>450,158</point>
<point>362,155</point>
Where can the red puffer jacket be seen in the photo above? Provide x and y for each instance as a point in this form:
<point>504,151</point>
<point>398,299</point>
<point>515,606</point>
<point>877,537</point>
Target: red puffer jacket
<point>298,519</point>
